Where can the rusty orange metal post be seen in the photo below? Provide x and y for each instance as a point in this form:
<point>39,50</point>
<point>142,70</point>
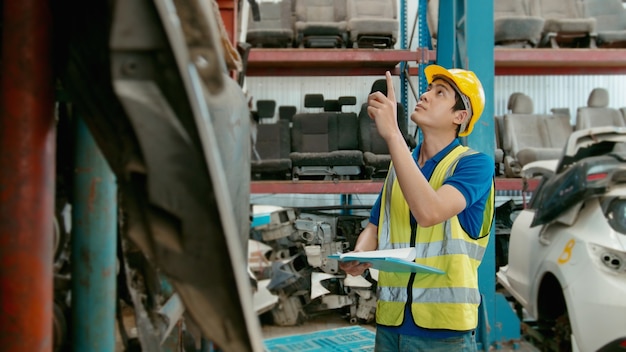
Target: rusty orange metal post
<point>228,10</point>
<point>27,149</point>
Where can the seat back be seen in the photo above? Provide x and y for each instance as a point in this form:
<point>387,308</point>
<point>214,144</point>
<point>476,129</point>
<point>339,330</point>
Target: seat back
<point>597,112</point>
<point>375,151</point>
<point>558,128</point>
<point>609,14</point>
<point>275,28</point>
<point>506,8</point>
<point>314,133</point>
<point>272,146</point>
<point>321,23</point>
<point>273,140</point>
<point>524,131</point>
<point>513,26</point>
<point>372,23</point>
<point>529,137</point>
<point>554,9</point>
<point>564,23</point>
<point>610,18</point>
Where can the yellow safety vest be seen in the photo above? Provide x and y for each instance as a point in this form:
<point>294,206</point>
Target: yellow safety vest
<point>449,301</point>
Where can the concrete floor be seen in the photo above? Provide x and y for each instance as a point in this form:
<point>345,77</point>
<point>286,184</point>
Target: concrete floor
<point>333,320</point>
<point>325,321</point>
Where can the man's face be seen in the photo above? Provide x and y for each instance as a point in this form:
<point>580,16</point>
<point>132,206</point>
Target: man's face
<point>434,108</point>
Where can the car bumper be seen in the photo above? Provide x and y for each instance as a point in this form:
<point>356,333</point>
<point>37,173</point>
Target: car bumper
<point>596,307</point>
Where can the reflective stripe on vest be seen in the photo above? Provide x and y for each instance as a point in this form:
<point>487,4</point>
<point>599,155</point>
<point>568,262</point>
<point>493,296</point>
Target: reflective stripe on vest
<point>447,301</point>
<point>432,295</point>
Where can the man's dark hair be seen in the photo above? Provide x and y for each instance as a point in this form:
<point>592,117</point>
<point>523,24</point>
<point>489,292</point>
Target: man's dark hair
<point>458,105</point>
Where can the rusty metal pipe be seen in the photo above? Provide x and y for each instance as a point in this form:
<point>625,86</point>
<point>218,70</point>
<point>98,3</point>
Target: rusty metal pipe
<point>27,164</point>
<point>94,240</point>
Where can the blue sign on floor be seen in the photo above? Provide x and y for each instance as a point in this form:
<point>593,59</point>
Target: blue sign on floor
<point>348,339</point>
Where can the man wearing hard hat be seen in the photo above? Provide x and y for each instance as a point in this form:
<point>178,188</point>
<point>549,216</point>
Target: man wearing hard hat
<point>440,200</point>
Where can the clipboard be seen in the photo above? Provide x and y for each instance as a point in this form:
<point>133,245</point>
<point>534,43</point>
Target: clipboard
<point>393,265</point>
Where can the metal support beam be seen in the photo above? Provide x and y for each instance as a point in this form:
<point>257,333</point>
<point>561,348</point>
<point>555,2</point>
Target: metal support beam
<point>479,58</point>
<point>404,79</point>
<point>424,41</point>
<point>94,239</point>
<point>461,43</point>
<point>27,147</point>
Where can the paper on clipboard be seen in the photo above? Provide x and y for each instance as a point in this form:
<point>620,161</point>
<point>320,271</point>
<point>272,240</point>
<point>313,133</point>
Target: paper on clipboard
<point>399,260</point>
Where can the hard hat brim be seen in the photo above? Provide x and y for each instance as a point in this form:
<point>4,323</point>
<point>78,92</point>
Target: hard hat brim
<point>432,71</point>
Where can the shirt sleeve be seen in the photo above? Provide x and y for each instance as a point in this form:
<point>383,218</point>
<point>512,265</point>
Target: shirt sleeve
<point>375,212</point>
<point>473,177</point>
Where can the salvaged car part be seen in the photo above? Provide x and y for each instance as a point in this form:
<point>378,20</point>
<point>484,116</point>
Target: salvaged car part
<point>301,277</point>
<point>150,79</point>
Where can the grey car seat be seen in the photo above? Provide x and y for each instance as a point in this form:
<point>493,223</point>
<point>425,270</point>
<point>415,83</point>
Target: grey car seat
<point>372,23</point>
<point>610,18</point>
<point>597,112</point>
<point>270,154</point>
<point>273,145</point>
<point>322,146</point>
<point>275,28</point>
<point>564,23</point>
<point>530,137</point>
<point>513,25</point>
<point>321,23</point>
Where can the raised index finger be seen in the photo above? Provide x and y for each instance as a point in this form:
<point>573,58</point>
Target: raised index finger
<point>391,94</point>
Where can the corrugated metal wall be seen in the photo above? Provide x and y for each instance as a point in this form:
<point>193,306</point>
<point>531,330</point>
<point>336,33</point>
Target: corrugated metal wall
<point>546,91</point>
<point>559,91</point>
<point>291,90</point>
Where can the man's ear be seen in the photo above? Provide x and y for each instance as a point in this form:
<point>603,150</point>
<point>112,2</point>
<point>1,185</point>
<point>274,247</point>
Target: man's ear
<point>460,116</point>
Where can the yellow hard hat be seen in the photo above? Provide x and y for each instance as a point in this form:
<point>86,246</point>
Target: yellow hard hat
<point>466,83</point>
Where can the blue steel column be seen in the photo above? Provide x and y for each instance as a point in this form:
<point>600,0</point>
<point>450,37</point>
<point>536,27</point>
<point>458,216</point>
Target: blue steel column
<point>465,40</point>
<point>424,41</point>
<point>446,34</point>
<point>480,59</point>
<point>94,238</point>
<point>404,89</point>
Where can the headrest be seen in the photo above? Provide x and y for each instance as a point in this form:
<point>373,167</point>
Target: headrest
<point>347,100</point>
<point>598,98</point>
<point>332,105</point>
<point>266,108</point>
<point>379,85</point>
<point>314,100</point>
<point>286,112</point>
<point>520,103</point>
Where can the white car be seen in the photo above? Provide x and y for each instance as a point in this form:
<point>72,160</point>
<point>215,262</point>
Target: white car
<point>567,251</point>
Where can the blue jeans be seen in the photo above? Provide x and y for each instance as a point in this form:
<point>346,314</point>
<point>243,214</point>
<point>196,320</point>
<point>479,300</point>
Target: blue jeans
<point>391,342</point>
